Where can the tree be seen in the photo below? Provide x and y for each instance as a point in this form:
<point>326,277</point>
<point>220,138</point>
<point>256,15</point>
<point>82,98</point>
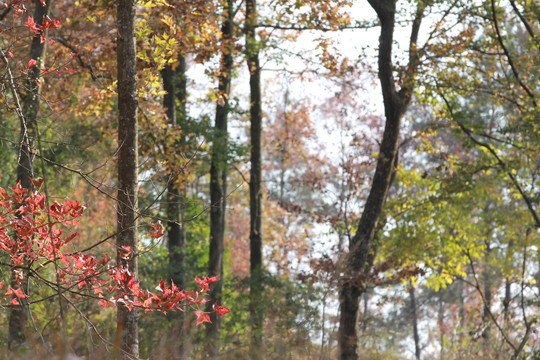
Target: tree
<point>127,209</point>
<point>27,149</point>
<point>219,170</point>
<point>255,182</point>
<point>176,229</point>
<point>361,248</point>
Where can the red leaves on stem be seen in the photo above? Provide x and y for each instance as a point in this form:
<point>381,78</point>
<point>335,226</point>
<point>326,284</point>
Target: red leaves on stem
<point>31,233</point>
<point>205,282</point>
<point>31,24</point>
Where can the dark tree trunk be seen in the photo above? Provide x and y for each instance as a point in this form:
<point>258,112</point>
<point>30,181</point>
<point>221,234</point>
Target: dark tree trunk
<point>255,189</point>
<point>395,103</point>
<point>487,301</point>
<point>414,318</point>
<point>507,298</point>
<point>18,316</point>
<point>176,197</point>
<point>508,285</point>
<point>218,179</point>
<point>127,207</point>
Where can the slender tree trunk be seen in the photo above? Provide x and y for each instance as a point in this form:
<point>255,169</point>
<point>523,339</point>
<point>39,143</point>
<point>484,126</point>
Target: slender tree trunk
<point>176,197</point>
<point>507,299</point>
<point>440,320</point>
<point>18,316</point>
<point>218,179</point>
<point>255,189</point>
<point>175,228</point>
<point>487,303</point>
<point>508,284</point>
<point>395,104</point>
<point>127,207</point>
<point>414,319</point>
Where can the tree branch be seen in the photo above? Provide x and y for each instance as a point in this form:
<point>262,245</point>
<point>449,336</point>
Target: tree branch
<point>523,20</point>
<point>500,161</point>
<point>66,44</point>
<point>314,28</point>
<point>509,57</point>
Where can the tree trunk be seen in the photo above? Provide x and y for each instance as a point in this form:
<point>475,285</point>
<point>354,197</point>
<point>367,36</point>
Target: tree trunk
<point>18,316</point>
<point>395,104</point>
<point>440,320</point>
<point>176,197</point>
<point>218,179</point>
<point>255,189</point>
<point>175,229</point>
<point>127,207</point>
<point>486,320</point>
<point>414,319</point>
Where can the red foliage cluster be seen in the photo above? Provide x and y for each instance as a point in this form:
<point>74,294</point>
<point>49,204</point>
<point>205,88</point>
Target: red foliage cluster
<point>35,235</point>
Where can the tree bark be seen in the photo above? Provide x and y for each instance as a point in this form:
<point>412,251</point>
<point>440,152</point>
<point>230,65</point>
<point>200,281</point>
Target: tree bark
<point>127,207</point>
<point>255,190</point>
<point>395,104</point>
<point>218,179</point>
<point>414,319</point>
<point>176,230</point>
<point>486,275</point>
<point>440,320</point>
<point>18,316</point>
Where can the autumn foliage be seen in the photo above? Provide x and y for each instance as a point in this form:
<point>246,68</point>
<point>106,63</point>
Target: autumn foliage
<point>36,235</point>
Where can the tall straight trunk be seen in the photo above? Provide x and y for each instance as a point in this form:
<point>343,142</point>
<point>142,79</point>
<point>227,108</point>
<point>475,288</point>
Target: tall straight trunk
<point>127,321</point>
<point>507,299</point>
<point>176,230</point>
<point>440,320</point>
<point>486,275</point>
<point>361,247</point>
<point>414,318</point>
<point>18,316</point>
<point>255,190</point>
<point>218,179</point>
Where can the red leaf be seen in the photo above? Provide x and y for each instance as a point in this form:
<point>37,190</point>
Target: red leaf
<point>39,181</point>
<point>4,194</point>
<point>17,292</point>
<point>160,230</point>
<point>202,317</point>
<point>202,283</point>
<point>221,310</point>
<point>31,63</point>
<point>104,303</point>
<point>31,24</point>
